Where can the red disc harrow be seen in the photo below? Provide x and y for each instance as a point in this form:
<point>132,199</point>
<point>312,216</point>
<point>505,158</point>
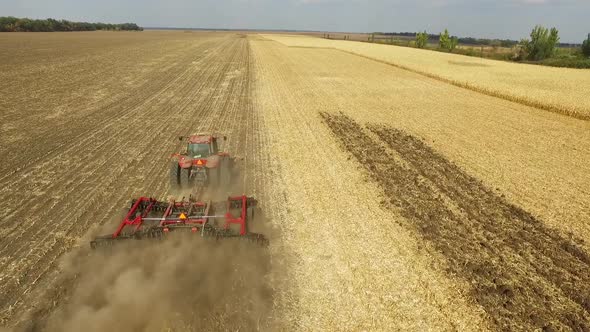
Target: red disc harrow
<point>149,218</point>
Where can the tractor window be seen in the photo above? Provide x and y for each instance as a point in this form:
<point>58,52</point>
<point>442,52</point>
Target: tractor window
<point>198,150</point>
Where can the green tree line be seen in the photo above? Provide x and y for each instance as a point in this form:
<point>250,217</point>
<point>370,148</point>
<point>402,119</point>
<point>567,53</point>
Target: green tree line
<point>462,40</point>
<point>542,47</point>
<point>14,24</point>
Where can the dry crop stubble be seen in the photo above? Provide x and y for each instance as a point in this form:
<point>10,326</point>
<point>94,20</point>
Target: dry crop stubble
<point>538,160</point>
<point>562,90</point>
<point>517,150</point>
<point>351,265</point>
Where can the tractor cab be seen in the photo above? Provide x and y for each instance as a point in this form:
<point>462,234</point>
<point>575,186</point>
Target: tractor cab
<point>201,150</point>
<point>201,146</point>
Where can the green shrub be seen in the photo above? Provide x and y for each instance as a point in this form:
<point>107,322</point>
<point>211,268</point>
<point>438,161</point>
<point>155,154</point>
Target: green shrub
<point>421,39</point>
<point>541,45</point>
<point>447,42</point>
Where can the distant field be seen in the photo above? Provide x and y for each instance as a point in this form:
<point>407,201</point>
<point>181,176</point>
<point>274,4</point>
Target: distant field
<point>562,90</point>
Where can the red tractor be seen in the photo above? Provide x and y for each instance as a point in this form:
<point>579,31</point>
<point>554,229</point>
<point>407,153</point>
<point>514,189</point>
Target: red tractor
<point>201,163</point>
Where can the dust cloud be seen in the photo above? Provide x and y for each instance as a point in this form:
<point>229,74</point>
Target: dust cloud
<point>180,284</point>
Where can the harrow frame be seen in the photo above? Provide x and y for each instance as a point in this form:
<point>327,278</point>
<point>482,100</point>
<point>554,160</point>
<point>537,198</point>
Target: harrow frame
<point>150,218</point>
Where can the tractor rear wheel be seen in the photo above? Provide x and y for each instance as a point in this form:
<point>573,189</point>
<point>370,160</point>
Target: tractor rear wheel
<point>174,175</point>
<point>185,177</point>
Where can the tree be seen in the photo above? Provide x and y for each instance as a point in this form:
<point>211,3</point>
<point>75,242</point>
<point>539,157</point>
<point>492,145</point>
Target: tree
<point>542,43</point>
<point>443,39</point>
<point>421,39</point>
<point>447,42</point>
<point>12,24</point>
<point>8,24</point>
<point>586,46</point>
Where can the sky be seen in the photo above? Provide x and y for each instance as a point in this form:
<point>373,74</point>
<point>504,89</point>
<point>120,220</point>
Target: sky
<point>505,19</point>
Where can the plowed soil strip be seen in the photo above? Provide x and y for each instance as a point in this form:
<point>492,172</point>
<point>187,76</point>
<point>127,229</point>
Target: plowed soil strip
<point>524,275</point>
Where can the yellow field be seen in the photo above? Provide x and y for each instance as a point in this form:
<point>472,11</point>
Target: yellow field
<point>561,90</point>
<point>352,266</point>
<point>525,154</point>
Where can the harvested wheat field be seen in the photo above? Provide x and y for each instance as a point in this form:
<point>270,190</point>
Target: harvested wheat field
<point>393,199</point>
<point>559,90</point>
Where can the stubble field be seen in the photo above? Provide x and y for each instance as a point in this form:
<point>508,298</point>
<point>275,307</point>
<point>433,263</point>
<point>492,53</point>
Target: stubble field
<point>555,89</point>
<point>394,200</point>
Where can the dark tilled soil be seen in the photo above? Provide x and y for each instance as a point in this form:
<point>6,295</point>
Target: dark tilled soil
<point>524,275</point>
